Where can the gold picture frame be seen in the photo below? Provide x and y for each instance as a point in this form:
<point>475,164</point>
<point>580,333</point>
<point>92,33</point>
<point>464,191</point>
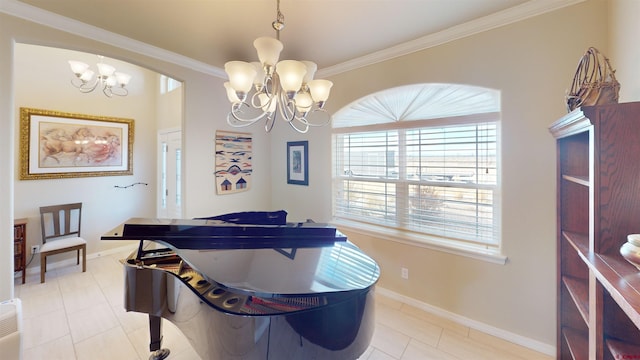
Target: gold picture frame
<point>58,145</point>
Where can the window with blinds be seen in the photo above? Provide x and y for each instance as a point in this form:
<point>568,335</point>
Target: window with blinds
<point>436,182</point>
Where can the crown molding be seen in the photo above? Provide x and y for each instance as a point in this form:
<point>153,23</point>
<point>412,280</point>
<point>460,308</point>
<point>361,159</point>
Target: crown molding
<point>52,20</point>
<point>529,9</point>
<point>517,13</point>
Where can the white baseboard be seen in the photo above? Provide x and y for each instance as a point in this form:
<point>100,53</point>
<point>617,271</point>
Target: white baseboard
<point>476,325</point>
<point>67,262</point>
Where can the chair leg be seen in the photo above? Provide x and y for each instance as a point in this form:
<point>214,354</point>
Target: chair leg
<point>78,257</point>
<point>43,267</point>
<point>84,258</point>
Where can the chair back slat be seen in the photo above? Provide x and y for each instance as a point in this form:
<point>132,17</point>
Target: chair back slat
<point>57,221</point>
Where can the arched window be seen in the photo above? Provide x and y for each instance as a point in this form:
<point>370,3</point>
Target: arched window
<point>420,163</point>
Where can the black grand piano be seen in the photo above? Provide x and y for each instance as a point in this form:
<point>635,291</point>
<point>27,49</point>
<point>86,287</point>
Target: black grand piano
<point>245,289</point>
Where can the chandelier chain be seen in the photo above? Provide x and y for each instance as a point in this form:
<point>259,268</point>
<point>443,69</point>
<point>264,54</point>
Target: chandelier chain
<point>278,23</point>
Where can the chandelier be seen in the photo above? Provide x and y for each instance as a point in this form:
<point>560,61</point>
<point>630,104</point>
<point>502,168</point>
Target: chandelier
<point>108,79</point>
<point>282,87</point>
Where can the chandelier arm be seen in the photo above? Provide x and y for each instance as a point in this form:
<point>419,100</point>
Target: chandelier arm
<point>239,123</point>
<point>300,130</point>
<point>269,121</point>
<point>234,119</point>
<point>255,100</point>
<point>302,125</point>
<point>286,107</point>
<point>303,118</point>
<point>256,103</point>
<point>119,90</point>
<point>85,87</point>
<point>324,113</point>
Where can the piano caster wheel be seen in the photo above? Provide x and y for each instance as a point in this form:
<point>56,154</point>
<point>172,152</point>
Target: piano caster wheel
<point>159,354</point>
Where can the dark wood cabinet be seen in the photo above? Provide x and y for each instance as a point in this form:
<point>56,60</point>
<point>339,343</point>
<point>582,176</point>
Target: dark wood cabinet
<point>19,247</point>
<point>598,189</point>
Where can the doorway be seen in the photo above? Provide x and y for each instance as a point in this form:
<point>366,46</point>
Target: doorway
<point>170,174</point>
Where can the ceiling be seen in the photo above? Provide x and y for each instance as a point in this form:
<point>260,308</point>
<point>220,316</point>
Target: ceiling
<point>329,32</point>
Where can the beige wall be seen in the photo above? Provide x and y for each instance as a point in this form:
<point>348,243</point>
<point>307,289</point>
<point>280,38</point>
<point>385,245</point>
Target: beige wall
<point>624,52</point>
<point>205,108</point>
<point>43,84</point>
<point>530,62</point>
<point>169,109</point>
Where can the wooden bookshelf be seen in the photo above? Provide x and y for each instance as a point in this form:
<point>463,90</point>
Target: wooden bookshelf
<point>19,247</point>
<point>598,177</point>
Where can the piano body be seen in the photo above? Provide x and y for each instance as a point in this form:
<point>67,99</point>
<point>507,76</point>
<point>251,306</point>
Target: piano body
<point>244,291</point>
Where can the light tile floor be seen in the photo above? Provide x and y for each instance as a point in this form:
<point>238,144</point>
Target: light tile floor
<point>76,315</point>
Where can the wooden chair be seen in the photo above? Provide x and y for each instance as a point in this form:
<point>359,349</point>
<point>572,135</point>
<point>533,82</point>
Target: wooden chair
<point>61,233</point>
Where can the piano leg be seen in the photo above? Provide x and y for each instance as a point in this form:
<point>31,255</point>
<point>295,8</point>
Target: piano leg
<point>155,332</point>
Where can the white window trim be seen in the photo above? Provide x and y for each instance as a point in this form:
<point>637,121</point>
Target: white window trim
<point>168,84</point>
<point>479,252</point>
<point>423,241</point>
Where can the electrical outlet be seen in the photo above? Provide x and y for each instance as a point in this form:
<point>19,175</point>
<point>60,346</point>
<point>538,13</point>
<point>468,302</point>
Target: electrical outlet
<point>405,273</point>
<point>35,249</point>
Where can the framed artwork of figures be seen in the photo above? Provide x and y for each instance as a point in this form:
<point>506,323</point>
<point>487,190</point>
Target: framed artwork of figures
<point>56,145</point>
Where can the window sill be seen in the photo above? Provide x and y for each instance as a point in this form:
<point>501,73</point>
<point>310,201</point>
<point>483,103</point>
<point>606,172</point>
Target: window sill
<point>420,241</point>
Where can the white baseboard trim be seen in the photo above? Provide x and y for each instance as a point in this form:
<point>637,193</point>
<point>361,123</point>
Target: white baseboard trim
<point>487,329</point>
<point>67,262</point>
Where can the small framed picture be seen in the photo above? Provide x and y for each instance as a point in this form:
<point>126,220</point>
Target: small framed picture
<point>298,162</point>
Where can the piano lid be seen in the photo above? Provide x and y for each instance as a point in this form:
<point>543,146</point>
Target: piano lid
<point>271,272</point>
<point>266,260</point>
<point>217,234</point>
